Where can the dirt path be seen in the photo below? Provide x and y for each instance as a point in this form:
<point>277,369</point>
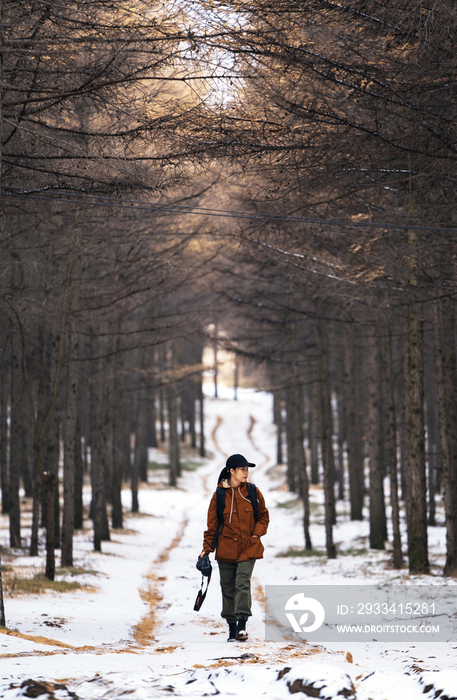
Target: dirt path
<point>145,628</point>
<point>266,458</point>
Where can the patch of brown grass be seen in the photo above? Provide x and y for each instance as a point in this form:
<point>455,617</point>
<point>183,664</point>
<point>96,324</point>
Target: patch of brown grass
<point>14,585</point>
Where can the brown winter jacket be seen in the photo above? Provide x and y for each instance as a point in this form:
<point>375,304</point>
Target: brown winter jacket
<point>235,541</point>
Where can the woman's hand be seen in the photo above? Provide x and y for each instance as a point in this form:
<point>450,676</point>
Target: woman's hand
<point>202,552</point>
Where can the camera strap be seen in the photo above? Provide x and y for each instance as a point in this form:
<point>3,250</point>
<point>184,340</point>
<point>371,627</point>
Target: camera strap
<point>201,595</point>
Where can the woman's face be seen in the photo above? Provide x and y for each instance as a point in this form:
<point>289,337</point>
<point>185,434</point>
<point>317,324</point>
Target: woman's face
<point>239,475</point>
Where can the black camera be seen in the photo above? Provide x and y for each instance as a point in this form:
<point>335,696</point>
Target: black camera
<point>204,565</point>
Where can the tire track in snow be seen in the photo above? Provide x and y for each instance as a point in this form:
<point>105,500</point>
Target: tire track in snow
<point>145,628</point>
<point>266,457</point>
<point>219,421</point>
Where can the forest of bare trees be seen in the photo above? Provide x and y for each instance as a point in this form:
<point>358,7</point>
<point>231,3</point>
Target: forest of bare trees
<point>284,172</point>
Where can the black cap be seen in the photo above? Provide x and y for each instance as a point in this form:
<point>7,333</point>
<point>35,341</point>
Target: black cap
<point>235,461</point>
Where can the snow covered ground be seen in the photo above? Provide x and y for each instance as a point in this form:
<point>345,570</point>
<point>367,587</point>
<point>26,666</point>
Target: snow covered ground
<point>132,630</point>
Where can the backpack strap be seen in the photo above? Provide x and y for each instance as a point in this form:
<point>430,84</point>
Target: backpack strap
<point>220,505</point>
<point>252,493</point>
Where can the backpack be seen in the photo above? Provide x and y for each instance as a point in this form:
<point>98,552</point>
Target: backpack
<point>220,504</point>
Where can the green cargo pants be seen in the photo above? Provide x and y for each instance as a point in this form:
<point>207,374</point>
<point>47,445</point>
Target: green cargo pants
<point>236,589</point>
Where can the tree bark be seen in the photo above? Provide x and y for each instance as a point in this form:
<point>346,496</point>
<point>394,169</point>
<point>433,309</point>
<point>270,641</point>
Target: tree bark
<point>141,431</point>
<point>162,414</point>
<point>121,438</point>
<point>71,407</point>
<point>98,506</point>
<point>193,432</point>
<point>392,449</point>
<point>79,475</point>
<point>202,451</point>
<point>342,423</point>
<point>352,376</point>
<point>52,456</point>
<point>378,527</point>
<point>36,501</point>
<point>302,473</point>
<point>16,418</point>
<point>277,419</point>
<point>216,362</point>
<point>313,437</point>
<point>5,375</point>
<point>291,437</point>
<point>417,531</point>
<point>325,431</point>
<point>444,326</point>
<point>2,606</point>
<point>173,436</point>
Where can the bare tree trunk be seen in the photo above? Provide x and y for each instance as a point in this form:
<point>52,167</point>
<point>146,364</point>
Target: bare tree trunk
<point>16,419</point>
<point>52,455</point>
<point>301,458</point>
<point>151,410</point>
<point>162,415</point>
<point>236,378</point>
<point>444,325</point>
<point>134,486</point>
<point>392,450</point>
<point>2,606</point>
<point>141,430</point>
<point>50,485</point>
<point>291,437</point>
<point>313,437</point>
<point>325,431</point>
<point>432,430</point>
<point>352,375</point>
<point>193,432</point>
<point>5,376</point>
<point>417,533</point>
<point>183,413</point>
<point>202,419</point>
<point>27,470</point>
<point>216,362</point>
<point>36,500</point>
<point>173,437</point>
<point>106,428</point>
<point>277,418</point>
<point>121,439</point>
<point>79,474</point>
<point>378,528</point>
<point>3,408</point>
<point>405,472</point>
<point>71,407</point>
<point>99,514</point>
<point>342,427</point>
<point>47,398</point>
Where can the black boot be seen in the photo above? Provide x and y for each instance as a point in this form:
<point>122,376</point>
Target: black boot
<point>241,633</point>
<point>232,632</point>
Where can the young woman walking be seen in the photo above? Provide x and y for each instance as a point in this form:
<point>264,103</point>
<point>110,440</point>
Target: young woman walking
<point>237,519</point>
